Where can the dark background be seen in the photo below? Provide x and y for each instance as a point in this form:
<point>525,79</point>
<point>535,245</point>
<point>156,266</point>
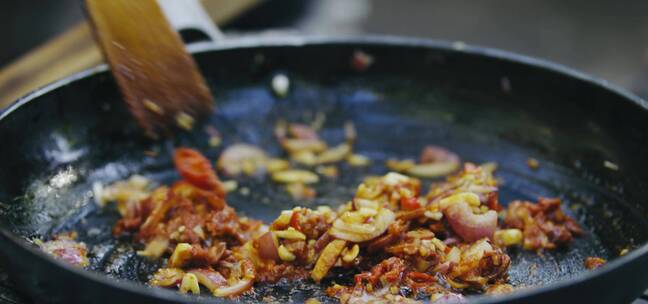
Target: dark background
<point>605,38</point>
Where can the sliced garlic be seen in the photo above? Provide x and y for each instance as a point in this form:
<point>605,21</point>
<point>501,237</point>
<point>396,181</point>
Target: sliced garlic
<point>295,176</point>
<point>470,198</point>
<point>290,234</point>
<point>285,255</point>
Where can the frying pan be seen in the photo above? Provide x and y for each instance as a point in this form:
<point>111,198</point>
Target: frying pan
<point>484,104</point>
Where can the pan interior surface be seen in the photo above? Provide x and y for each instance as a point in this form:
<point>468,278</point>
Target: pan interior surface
<point>60,144</point>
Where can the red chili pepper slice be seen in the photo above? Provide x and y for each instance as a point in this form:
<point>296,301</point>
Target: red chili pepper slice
<point>410,203</point>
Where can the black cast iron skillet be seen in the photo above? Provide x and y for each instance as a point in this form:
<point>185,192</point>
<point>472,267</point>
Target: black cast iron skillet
<point>484,104</point>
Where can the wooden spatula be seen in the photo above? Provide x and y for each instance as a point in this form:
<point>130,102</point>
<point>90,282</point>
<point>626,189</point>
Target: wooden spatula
<point>158,78</point>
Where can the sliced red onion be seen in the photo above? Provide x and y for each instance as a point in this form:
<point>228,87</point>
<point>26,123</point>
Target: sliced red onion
<point>451,241</point>
<point>448,298</point>
<point>209,278</point>
<point>469,226</point>
<point>234,289</point>
<point>242,285</point>
<point>235,157</point>
<point>267,247</point>
<point>442,268</point>
<point>363,232</point>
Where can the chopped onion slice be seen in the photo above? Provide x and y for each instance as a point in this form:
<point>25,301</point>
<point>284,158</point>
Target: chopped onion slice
<point>469,226</point>
<point>209,278</point>
<point>363,232</point>
<point>234,289</point>
<point>242,158</point>
<point>268,247</point>
<point>430,170</point>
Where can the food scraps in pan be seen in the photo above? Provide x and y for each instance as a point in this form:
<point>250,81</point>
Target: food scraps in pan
<point>65,248</point>
<point>400,240</point>
<point>308,156</point>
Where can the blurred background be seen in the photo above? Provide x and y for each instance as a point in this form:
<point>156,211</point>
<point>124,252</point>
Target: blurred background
<point>606,39</point>
<point>603,38</point>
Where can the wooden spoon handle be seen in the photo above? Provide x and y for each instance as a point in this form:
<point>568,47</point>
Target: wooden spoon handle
<point>75,50</point>
<point>159,80</point>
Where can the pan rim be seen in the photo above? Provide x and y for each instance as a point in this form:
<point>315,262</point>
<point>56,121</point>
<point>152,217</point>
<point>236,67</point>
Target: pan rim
<point>266,41</point>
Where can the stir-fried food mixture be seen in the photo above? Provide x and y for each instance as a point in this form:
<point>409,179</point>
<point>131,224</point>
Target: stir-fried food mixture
<point>399,241</point>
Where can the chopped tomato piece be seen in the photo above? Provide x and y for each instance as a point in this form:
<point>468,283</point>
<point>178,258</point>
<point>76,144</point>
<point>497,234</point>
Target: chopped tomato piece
<point>197,170</point>
<point>492,201</point>
<point>410,203</point>
<point>294,221</point>
<point>420,276</point>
